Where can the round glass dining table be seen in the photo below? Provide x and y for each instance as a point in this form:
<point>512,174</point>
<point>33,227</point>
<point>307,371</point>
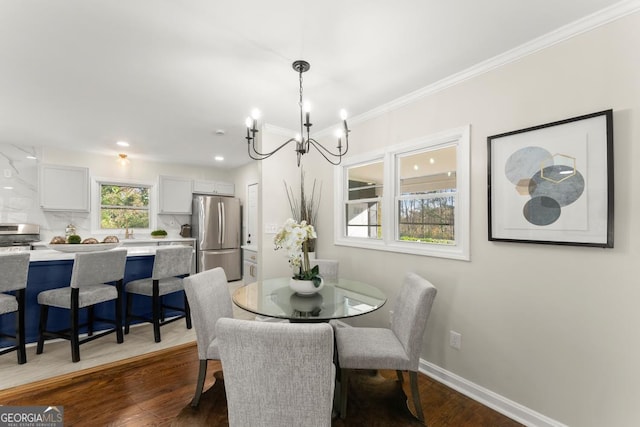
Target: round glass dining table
<point>336,300</point>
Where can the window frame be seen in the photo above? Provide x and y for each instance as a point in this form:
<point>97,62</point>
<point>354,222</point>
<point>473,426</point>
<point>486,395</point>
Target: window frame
<point>458,137</point>
<point>96,204</point>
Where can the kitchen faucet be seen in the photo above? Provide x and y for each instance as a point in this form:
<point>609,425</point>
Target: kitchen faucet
<point>128,234</point>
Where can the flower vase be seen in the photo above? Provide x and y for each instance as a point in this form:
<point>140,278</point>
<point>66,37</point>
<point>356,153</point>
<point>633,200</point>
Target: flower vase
<point>305,287</point>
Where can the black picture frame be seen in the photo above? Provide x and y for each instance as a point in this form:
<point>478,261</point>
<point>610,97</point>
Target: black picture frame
<point>553,183</point>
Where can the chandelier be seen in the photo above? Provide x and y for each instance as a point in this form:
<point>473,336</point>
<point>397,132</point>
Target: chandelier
<point>303,140</point>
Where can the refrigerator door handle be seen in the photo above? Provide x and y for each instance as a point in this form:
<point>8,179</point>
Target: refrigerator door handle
<point>220,225</point>
<point>224,223</point>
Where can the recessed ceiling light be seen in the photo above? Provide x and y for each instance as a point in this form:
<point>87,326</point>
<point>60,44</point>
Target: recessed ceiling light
<point>220,132</point>
<point>219,158</point>
<point>32,158</point>
<point>8,188</point>
<point>123,143</point>
<point>432,160</point>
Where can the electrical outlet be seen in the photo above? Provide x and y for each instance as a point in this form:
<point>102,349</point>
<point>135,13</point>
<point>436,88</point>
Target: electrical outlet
<point>455,339</point>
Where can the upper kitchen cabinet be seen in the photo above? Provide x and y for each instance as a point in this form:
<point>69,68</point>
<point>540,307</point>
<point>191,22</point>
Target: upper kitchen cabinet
<point>218,188</point>
<point>174,195</point>
<point>64,188</point>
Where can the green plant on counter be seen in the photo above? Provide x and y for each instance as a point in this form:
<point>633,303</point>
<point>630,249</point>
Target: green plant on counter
<point>158,233</point>
<point>74,238</point>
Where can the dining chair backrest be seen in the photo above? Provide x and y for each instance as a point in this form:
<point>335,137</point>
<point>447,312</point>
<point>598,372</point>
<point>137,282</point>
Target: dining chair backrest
<point>15,269</point>
<point>209,300</point>
<point>277,374</point>
<point>172,261</point>
<point>328,268</point>
<point>93,268</point>
<point>411,312</point>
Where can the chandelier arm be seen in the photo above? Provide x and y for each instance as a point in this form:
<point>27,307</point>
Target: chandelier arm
<point>322,148</point>
<point>269,154</point>
<point>315,145</point>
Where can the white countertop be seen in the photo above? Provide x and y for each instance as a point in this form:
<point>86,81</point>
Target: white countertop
<point>53,255</point>
<point>135,241</point>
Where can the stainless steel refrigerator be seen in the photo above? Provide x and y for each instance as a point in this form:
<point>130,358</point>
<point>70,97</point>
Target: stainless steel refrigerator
<point>216,226</point>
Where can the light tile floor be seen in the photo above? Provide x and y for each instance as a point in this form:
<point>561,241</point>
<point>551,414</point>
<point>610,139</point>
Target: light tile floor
<point>56,358</point>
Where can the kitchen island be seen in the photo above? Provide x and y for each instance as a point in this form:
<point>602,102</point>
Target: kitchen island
<point>49,269</point>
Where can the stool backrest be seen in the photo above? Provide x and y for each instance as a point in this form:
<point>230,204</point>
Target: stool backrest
<point>15,269</point>
<point>93,268</point>
<point>172,261</point>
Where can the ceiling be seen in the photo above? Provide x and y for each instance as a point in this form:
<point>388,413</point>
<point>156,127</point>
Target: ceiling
<point>165,75</point>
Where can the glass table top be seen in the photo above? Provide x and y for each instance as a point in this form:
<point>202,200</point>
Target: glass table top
<point>336,300</point>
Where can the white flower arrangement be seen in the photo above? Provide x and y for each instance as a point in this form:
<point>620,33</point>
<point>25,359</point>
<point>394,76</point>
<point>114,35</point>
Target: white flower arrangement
<point>294,238</point>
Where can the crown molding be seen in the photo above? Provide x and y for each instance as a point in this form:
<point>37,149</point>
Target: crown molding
<point>588,23</point>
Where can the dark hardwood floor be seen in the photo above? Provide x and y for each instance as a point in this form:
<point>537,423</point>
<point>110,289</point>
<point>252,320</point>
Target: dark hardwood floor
<point>151,390</point>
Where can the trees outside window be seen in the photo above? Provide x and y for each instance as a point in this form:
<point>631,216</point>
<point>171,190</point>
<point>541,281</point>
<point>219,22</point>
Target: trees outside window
<point>124,206</point>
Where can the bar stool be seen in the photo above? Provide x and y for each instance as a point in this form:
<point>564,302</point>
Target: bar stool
<point>15,269</point>
<point>170,265</point>
<point>89,277</point>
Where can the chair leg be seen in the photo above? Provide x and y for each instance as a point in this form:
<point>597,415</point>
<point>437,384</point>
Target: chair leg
<point>118,313</point>
<point>90,319</point>
<point>400,376</point>
<point>344,387</point>
<point>157,311</point>
<point>44,313</point>
<point>20,330</point>
<point>187,311</point>
<point>202,373</point>
<point>127,312</point>
<point>413,376</point>
<point>74,333</point>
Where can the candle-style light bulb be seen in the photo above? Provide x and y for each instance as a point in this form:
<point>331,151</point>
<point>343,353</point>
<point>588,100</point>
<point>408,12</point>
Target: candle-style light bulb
<point>298,137</point>
<point>306,107</point>
<point>255,114</point>
<point>248,122</point>
<point>343,114</point>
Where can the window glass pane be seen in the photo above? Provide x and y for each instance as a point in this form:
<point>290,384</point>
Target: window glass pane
<point>426,200</point>
<point>364,220</point>
<point>428,172</point>
<point>365,182</point>
<point>124,206</point>
<point>363,209</point>
<point>429,220</point>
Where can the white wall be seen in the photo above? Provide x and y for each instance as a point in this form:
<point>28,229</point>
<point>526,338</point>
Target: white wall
<point>554,328</point>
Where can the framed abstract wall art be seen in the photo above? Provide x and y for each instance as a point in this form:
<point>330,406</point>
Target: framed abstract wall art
<point>553,183</point>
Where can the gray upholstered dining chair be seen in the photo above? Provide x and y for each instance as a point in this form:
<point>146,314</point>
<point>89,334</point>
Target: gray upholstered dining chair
<point>209,300</point>
<point>170,265</point>
<point>395,348</point>
<point>277,374</point>
<point>13,281</point>
<point>90,275</point>
<point>328,268</point>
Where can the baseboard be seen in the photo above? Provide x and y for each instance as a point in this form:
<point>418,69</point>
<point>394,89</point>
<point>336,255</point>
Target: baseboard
<point>499,403</point>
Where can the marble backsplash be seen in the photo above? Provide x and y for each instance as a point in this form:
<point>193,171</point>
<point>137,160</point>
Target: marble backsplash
<point>20,203</point>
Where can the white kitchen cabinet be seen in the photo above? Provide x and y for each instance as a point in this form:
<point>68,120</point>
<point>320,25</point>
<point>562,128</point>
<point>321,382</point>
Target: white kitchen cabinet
<point>64,188</point>
<point>250,266</point>
<point>174,195</point>
<point>219,188</point>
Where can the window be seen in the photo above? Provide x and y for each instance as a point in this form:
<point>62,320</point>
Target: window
<point>121,205</point>
<point>364,202</point>
<point>412,197</point>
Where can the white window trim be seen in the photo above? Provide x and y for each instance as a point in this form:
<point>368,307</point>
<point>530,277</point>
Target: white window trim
<point>461,250</point>
<point>95,203</point>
